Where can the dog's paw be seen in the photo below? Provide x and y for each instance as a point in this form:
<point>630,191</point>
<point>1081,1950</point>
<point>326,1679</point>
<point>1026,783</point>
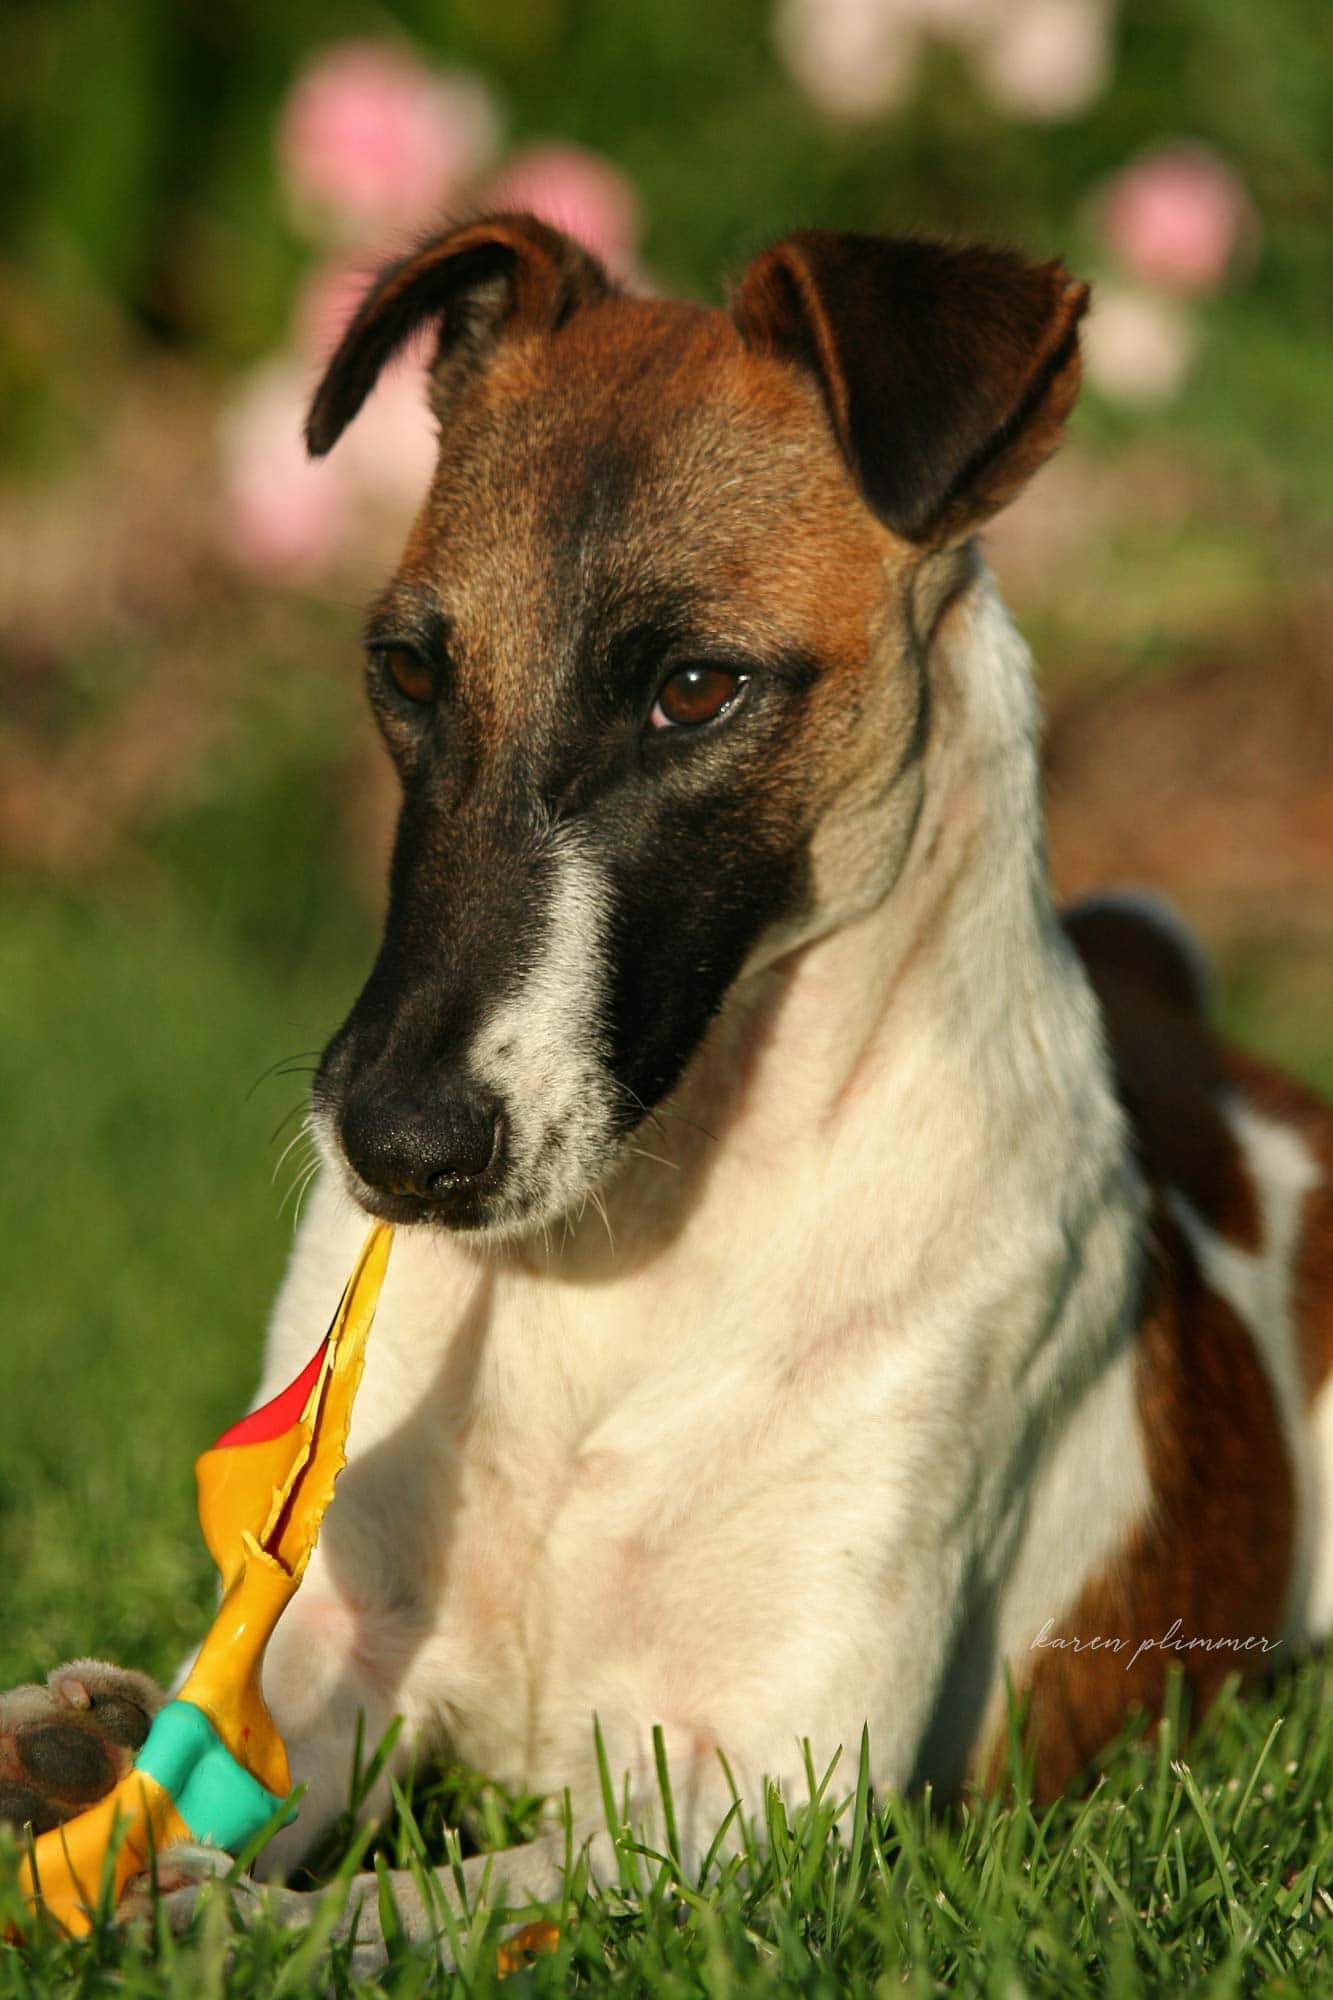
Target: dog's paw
<point>65,1745</point>
<point>183,1874</point>
<point>191,1874</point>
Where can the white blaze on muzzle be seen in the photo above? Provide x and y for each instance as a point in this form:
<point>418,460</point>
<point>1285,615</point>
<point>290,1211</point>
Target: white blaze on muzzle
<point>541,1050</point>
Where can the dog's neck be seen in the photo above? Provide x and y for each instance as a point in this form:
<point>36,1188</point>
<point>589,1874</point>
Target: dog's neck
<point>923,1042</point>
<point>963,933</point>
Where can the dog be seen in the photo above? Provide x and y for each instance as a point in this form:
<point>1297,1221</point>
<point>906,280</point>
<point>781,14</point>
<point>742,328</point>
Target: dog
<point>827,1279</point>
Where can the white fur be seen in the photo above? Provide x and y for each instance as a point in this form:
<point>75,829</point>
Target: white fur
<point>538,1050</point>
<point>853,1382</point>
<point>1319,1600</point>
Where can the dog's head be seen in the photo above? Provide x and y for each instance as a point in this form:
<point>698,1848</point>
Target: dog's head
<point>648,669</point>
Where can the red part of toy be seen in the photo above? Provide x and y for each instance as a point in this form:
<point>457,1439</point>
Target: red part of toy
<point>271,1419</point>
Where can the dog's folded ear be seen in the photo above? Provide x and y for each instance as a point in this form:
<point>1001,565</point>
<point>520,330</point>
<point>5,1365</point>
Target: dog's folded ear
<point>948,372</point>
<point>476,282</point>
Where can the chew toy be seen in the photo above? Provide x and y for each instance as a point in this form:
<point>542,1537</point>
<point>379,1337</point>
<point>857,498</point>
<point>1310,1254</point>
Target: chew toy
<point>213,1766</point>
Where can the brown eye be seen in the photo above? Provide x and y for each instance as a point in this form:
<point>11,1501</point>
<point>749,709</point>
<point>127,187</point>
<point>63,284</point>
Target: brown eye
<point>408,673</point>
<point>695,695</point>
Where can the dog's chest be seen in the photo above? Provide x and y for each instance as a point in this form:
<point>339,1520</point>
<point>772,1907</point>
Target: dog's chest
<point>554,1513</point>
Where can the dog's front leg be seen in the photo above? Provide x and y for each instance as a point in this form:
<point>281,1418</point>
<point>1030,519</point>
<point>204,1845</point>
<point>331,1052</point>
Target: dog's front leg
<point>330,1683</point>
<point>429,1908</point>
<point>428,1905</point>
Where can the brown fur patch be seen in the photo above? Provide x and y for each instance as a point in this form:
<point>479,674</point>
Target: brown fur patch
<point>1212,1562</point>
<point>1169,1068</point>
<point>1280,1097</point>
<point>1176,1079</point>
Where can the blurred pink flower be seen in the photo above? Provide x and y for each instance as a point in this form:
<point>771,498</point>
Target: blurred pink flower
<point>373,141</point>
<point>853,58</point>
<point>576,191</point>
<point>325,303</point>
<point>1041,59</point>
<point>1048,59</point>
<point>1177,218</point>
<point>284,514</point>
<point>389,452</point>
<point>1137,348</point>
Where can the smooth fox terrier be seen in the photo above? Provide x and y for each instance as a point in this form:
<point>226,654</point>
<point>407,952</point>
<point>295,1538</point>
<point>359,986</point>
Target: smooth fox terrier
<point>826,1275</point>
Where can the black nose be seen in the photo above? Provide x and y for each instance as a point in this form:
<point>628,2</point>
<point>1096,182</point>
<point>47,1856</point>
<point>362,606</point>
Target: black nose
<point>440,1146</point>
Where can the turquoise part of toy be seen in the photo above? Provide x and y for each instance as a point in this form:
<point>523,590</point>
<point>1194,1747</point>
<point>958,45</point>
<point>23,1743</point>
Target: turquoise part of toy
<point>219,1800</point>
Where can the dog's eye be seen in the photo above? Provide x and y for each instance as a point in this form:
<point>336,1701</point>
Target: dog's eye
<point>695,695</point>
<point>406,671</point>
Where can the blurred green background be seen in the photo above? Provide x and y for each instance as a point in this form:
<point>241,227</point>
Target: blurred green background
<point>193,813</point>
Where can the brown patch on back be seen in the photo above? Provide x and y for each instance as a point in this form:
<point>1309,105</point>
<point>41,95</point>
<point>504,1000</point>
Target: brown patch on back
<point>1169,1068</point>
<point>1176,1079</point>
<point>1282,1098</point>
<point>1214,1559</point>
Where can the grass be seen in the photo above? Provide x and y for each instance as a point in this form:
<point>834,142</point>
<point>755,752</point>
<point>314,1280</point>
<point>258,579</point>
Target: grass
<point>1199,1868</point>
<point>144,1240</point>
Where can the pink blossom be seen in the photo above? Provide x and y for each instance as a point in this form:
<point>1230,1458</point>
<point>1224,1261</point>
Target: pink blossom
<point>576,191</point>
<point>1177,218</point>
<point>288,517</point>
<point>389,452</point>
<point>326,302</point>
<point>858,58</point>
<point>284,515</point>
<point>853,58</point>
<point>1137,347</point>
<point>1048,59</point>
<point>373,141</point>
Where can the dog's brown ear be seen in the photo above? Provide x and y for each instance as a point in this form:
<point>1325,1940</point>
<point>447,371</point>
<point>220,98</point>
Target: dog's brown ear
<point>503,271</point>
<point>948,372</point>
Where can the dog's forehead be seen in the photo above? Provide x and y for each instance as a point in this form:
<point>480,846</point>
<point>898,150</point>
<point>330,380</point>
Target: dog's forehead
<point>638,466</point>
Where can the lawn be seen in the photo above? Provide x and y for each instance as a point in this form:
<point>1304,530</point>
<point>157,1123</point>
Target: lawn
<point>1198,1869</point>
<point>140,1018</point>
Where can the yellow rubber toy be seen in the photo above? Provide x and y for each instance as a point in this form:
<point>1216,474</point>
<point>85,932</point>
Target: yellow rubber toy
<point>213,1766</point>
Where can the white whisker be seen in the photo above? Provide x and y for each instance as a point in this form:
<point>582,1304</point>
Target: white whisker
<point>600,1206</point>
<point>303,1132</point>
<point>305,1172</point>
<point>305,1188</point>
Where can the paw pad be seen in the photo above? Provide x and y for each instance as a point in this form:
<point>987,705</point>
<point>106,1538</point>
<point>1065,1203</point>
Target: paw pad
<point>64,1758</point>
<point>20,1807</point>
<point>120,1721</point>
